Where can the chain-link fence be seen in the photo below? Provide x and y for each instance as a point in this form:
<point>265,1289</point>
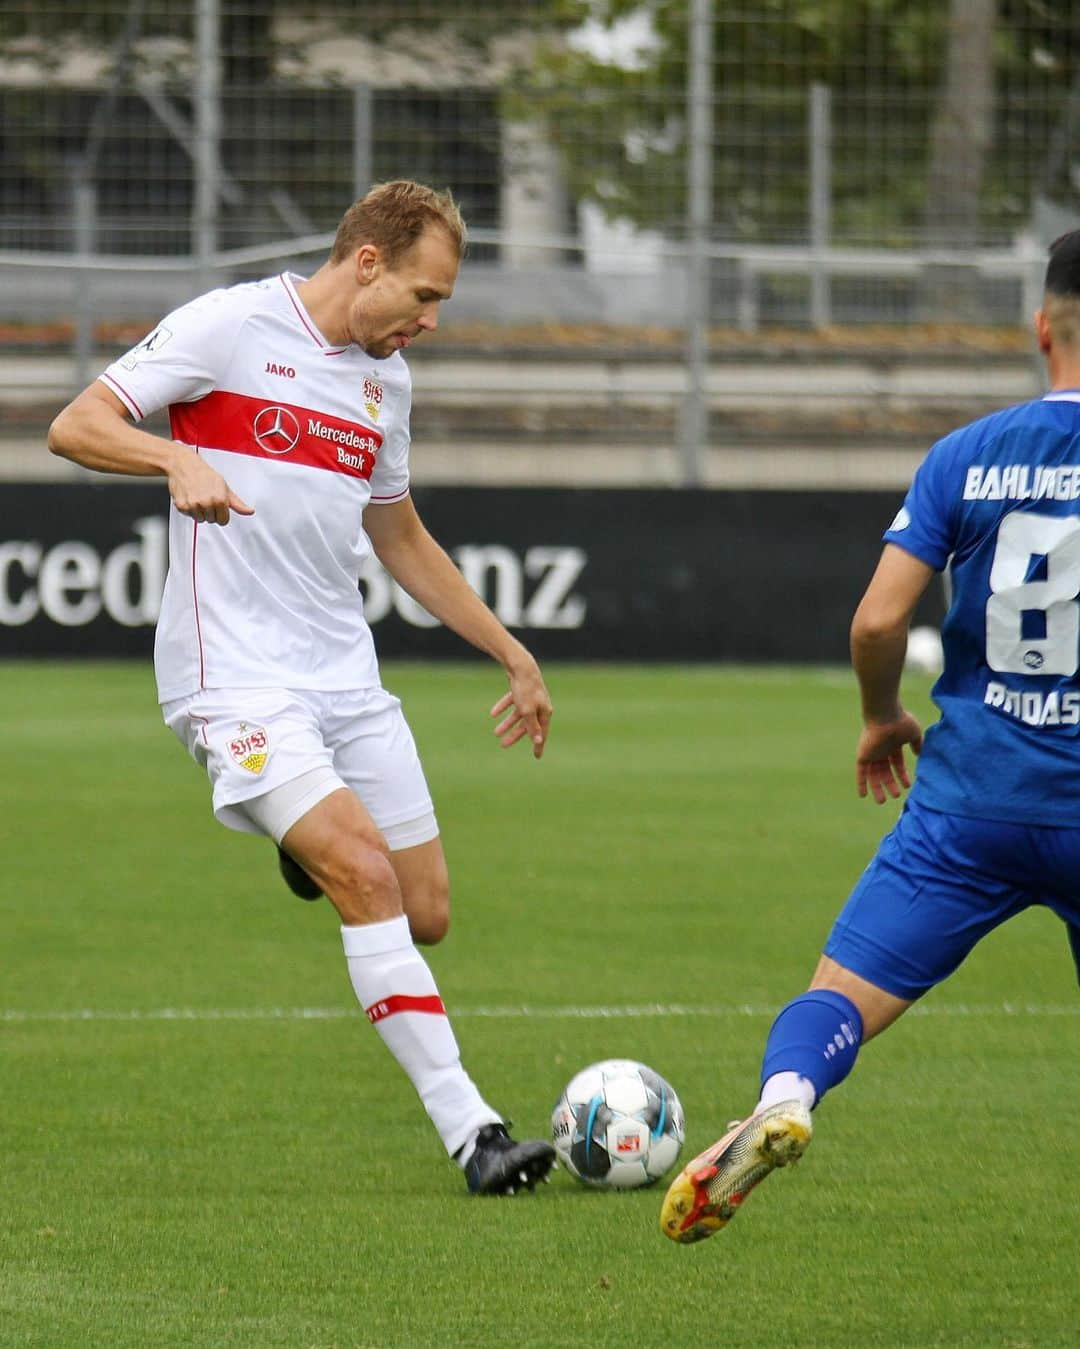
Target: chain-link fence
<point>850,160</point>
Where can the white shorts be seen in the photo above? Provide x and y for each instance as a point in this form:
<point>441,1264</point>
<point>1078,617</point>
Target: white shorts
<point>254,742</point>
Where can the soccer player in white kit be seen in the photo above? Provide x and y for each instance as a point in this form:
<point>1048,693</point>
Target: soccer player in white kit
<point>288,402</point>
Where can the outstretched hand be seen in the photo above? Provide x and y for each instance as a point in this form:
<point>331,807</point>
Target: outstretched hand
<point>525,710</point>
<point>880,765</point>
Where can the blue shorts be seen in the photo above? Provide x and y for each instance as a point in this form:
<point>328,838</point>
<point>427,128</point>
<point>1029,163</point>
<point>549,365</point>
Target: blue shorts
<point>938,883</point>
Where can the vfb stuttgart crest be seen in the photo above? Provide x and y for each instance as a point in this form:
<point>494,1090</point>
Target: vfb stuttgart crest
<point>373,396</point>
<point>250,747</point>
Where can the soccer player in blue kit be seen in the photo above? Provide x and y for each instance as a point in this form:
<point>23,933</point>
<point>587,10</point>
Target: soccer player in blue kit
<point>992,824</point>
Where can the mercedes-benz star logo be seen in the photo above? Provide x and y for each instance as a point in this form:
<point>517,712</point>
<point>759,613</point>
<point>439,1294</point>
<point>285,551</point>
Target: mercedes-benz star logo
<point>276,429</point>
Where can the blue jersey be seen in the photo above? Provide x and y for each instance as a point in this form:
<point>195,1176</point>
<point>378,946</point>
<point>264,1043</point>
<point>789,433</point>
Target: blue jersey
<point>998,501</point>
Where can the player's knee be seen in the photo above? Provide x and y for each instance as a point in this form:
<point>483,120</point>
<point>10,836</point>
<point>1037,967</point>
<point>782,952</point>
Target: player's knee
<point>362,885</point>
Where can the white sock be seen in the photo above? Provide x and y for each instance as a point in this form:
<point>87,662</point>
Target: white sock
<point>787,1087</point>
<point>396,989</point>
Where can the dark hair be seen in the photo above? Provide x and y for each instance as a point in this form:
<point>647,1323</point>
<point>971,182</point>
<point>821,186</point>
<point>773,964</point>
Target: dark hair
<point>393,216</point>
<point>1063,269</point>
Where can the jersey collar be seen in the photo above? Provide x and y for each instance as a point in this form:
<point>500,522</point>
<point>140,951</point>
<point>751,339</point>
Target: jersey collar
<point>307,322</point>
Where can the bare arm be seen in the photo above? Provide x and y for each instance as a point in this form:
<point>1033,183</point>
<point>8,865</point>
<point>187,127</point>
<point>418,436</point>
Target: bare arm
<point>879,634</point>
<point>95,430</point>
<point>424,569</point>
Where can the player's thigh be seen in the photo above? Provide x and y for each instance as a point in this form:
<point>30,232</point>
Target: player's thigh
<point>250,742</point>
<point>922,904</point>
<point>375,754</point>
<point>1054,856</point>
<point>1043,861</point>
<point>425,889</point>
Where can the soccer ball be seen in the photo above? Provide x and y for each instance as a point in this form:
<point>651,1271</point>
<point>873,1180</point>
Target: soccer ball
<point>618,1125</point>
<point>924,652</point>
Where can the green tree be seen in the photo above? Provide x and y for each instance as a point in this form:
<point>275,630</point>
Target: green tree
<point>622,136</point>
<point>905,165</point>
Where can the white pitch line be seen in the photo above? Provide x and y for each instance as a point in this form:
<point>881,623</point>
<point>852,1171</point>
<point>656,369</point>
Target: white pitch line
<point>18,1016</point>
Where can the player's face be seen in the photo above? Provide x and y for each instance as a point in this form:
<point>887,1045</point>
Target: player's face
<point>397,303</point>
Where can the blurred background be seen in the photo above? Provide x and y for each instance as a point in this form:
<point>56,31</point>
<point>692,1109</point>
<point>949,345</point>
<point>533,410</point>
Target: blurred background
<point>735,251</point>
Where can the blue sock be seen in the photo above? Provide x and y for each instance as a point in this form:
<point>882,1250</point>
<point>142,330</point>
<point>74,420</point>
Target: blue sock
<point>817,1035</point>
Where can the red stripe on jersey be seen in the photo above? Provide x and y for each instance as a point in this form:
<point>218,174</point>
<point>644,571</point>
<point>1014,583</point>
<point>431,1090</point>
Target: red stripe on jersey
<point>240,424</point>
<point>125,397</point>
<point>302,315</point>
<point>195,605</point>
<point>404,1002</point>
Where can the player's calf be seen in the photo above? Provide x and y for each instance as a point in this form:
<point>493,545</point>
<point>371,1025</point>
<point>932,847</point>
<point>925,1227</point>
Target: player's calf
<point>296,878</point>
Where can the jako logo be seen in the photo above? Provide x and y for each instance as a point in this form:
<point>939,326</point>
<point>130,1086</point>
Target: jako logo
<point>71,582</point>
<point>272,368</point>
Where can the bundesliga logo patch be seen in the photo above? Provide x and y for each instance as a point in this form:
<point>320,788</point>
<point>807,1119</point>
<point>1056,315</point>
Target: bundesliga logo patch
<point>250,747</point>
<point>149,346</point>
<point>627,1143</point>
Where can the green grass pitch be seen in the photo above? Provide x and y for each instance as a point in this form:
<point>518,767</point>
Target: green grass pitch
<point>241,1174</point>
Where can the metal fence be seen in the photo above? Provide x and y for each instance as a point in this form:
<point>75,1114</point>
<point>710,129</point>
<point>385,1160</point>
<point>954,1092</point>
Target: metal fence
<point>675,163</point>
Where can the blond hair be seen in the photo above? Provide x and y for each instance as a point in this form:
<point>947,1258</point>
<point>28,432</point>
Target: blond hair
<point>393,216</point>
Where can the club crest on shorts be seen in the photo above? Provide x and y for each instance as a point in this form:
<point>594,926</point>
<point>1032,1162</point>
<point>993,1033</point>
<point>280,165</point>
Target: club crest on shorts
<point>250,747</point>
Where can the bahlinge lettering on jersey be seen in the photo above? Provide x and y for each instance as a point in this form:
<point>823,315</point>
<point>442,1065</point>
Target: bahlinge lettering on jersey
<point>1022,482</point>
<point>241,424</point>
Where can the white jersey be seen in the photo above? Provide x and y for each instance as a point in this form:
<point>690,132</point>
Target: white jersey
<point>307,434</point>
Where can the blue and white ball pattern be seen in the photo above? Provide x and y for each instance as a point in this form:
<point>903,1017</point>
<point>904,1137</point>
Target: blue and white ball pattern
<point>618,1125</point>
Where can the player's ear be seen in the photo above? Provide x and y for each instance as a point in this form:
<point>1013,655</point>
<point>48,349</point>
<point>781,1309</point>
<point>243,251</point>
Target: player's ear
<point>1041,325</point>
<point>366,262</point>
